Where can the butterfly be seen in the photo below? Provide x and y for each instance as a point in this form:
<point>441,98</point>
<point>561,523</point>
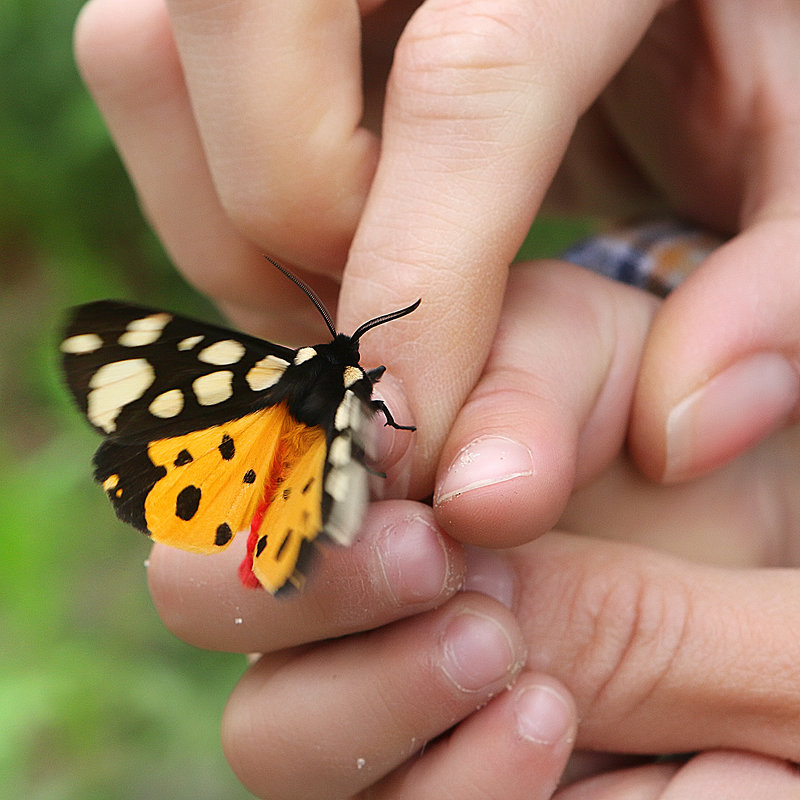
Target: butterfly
<point>208,432</point>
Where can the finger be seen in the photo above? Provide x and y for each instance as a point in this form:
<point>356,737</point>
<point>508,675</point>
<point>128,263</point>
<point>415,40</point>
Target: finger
<point>523,736</point>
<point>721,371</point>
<point>368,702</point>
<point>638,783</point>
<point>721,368</point>
<point>645,633</point>
<point>551,408</point>
<point>709,519</point>
<point>482,100</point>
<point>707,776</point>
<point>400,565</point>
<point>276,90</point>
<point>128,59</point>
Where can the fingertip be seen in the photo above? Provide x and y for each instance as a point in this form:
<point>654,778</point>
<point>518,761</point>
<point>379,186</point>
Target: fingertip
<point>544,712</point>
<point>418,564</point>
<point>392,447</point>
<point>524,736</point>
<point>728,414</point>
<point>499,491</point>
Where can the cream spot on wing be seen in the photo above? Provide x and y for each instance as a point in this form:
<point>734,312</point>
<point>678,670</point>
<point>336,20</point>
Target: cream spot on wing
<point>115,385</point>
<point>352,375</point>
<point>347,486</point>
<point>167,404</point>
<point>304,354</point>
<point>339,451</point>
<point>189,342</point>
<point>81,343</point>
<point>336,484</point>
<point>265,373</point>
<point>145,330</point>
<point>228,351</point>
<point>213,388</point>
<point>344,413</point>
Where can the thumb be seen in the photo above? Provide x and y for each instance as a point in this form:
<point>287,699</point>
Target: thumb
<point>721,370</point>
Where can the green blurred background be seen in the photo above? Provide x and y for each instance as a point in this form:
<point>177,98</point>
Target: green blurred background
<point>97,699</point>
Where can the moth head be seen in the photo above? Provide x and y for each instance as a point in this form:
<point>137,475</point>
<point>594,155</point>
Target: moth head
<point>320,306</point>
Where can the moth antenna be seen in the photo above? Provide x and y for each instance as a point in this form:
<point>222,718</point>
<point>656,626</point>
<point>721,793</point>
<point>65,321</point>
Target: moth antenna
<point>384,318</point>
<point>309,292</point>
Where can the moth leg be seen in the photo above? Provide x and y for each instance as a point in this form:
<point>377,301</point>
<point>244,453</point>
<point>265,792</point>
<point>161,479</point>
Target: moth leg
<point>378,473</point>
<point>379,405</point>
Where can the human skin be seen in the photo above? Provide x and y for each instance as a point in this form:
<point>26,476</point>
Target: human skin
<point>272,114</point>
<point>657,616</point>
<point>263,105</point>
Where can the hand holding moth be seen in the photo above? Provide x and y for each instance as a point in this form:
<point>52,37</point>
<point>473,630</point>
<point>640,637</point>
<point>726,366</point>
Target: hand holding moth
<point>276,153</point>
<point>631,631</point>
<point>210,433</point>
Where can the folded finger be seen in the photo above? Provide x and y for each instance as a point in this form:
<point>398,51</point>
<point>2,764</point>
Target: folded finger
<point>524,737</point>
<point>366,702</point>
<point>276,90</point>
<point>401,564</point>
<point>129,60</point>
<point>551,408</point>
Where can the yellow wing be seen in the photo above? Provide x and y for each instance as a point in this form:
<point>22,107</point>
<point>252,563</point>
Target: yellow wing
<point>294,515</point>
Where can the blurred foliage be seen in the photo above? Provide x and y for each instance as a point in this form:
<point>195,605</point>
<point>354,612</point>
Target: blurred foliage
<point>97,699</point>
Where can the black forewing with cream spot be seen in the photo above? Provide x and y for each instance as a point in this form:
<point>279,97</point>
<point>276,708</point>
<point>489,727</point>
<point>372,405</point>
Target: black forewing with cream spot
<point>140,374</point>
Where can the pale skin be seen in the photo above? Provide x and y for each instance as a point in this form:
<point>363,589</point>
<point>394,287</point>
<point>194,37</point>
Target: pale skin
<point>263,103</point>
<point>695,649</point>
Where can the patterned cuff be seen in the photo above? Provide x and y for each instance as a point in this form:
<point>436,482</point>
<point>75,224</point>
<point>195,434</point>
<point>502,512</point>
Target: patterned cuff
<point>655,256</point>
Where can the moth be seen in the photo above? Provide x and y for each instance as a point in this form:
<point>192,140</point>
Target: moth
<point>209,432</point>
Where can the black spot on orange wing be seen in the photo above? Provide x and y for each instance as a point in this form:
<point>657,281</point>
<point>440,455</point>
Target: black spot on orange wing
<point>224,534</point>
<point>187,502</point>
<point>261,544</point>
<point>226,448</point>
<point>183,458</point>
<point>308,486</point>
<point>249,476</point>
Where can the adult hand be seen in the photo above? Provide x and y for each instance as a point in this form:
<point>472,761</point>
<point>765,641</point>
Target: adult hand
<point>250,127</point>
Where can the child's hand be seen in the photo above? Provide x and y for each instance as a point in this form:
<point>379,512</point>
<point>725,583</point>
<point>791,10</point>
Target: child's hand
<point>633,633</point>
<point>250,127</point>
<point>375,660</point>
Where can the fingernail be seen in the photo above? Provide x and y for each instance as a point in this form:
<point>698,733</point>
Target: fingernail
<point>732,411</point>
<point>414,561</point>
<point>478,652</point>
<point>543,715</point>
<point>490,573</point>
<point>486,461</point>
<point>390,450</point>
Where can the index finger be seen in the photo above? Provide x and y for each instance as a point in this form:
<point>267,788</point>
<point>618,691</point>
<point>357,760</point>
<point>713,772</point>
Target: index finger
<point>482,100</point>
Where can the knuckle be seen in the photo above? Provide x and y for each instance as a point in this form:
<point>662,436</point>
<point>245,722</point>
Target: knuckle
<point>115,47</point>
<point>454,47</point>
<point>635,624</point>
